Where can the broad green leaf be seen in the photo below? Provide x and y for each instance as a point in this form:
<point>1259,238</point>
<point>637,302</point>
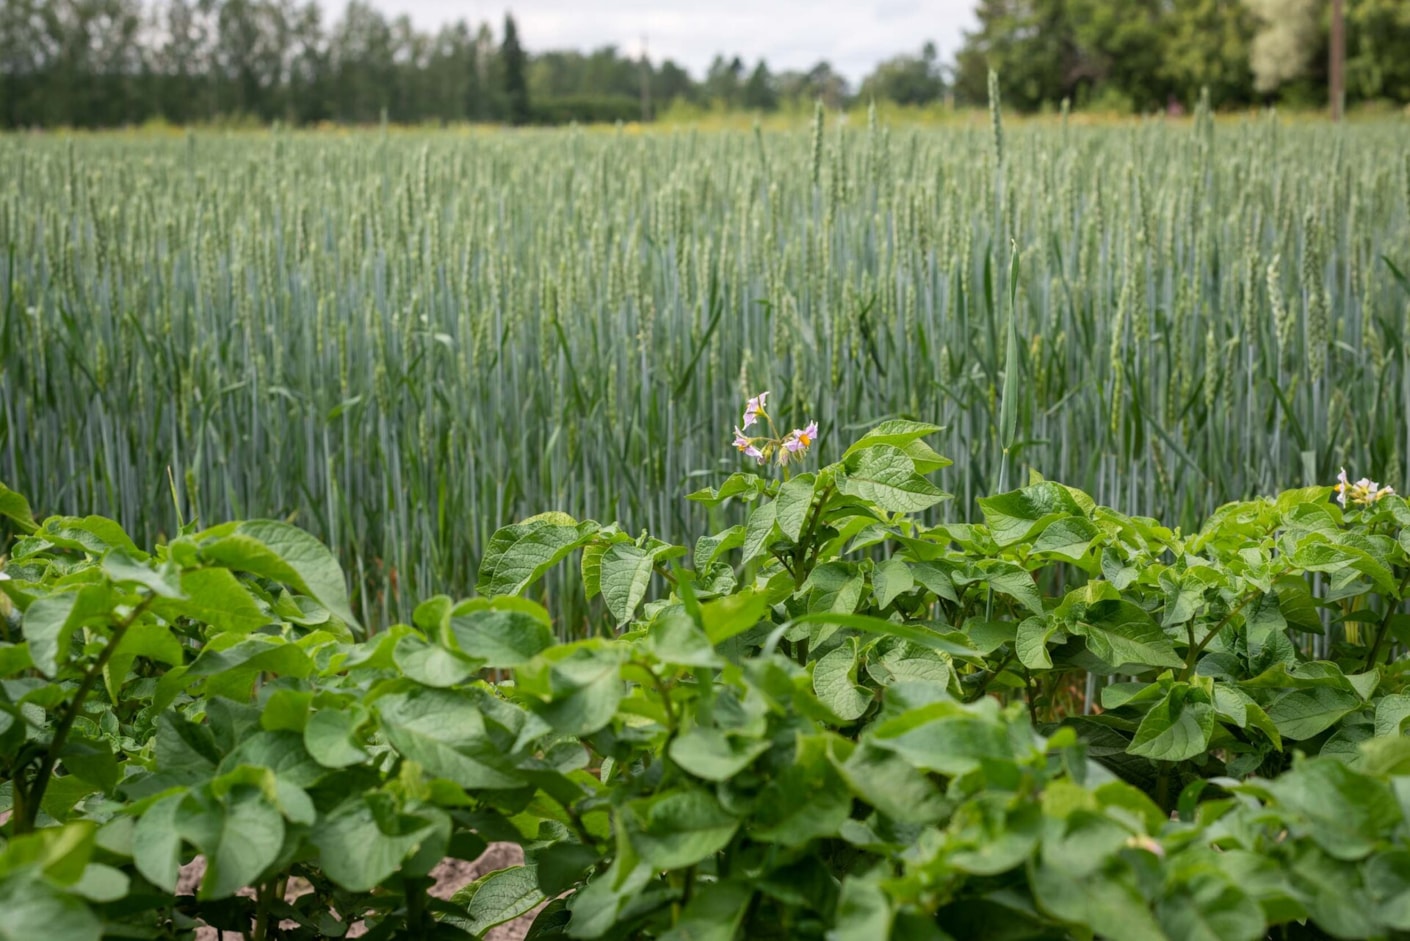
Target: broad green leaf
<point>1109,904</point>
<point>230,664</point>
<point>1209,906</point>
<point>495,898</point>
<point>732,615</point>
<point>577,694</point>
<point>1012,580</point>
<point>285,554</point>
<point>795,498</point>
<point>145,639</point>
<point>1018,515</point>
<point>680,828</point>
<point>906,435</point>
<point>626,574</point>
<point>240,836</point>
<point>863,911</point>
<point>185,746</point>
<point>886,476</point>
<point>1031,643</point>
<point>444,732</point>
<point>999,833</point>
<point>712,755</point>
<point>1391,714</point>
<point>898,661</point>
<point>216,597</point>
<point>124,569</point>
<point>157,842</point>
<point>758,532</point>
<point>499,638</point>
<point>596,907</point>
<point>1388,881</point>
<point>1067,538</point>
<point>1176,728</point>
<point>94,535</point>
<point>708,549</point>
<point>15,507</point>
<point>674,637</point>
<point>62,853</point>
<point>1302,713</point>
<point>331,736</point>
<point>90,758</point>
<point>519,555</point>
<point>592,569</point>
<point>944,736</point>
<point>430,664</point>
<point>891,784</point>
<point>890,579</point>
<point>14,659</point>
<point>935,580</point>
<point>1347,813</point>
<point>1333,558</point>
<point>365,839</point>
<point>835,682</point>
<point>834,587</point>
<point>102,883</point>
<point>780,817</point>
<point>954,644</point>
<point>50,622</point>
<point>1238,708</point>
<point>1125,639</point>
<point>34,909</point>
<point>714,913</point>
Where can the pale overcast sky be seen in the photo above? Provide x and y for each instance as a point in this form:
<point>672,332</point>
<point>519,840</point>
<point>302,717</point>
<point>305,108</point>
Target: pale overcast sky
<point>790,34</point>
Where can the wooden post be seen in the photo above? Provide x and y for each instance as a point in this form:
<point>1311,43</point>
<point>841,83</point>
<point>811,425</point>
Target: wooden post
<point>1337,78</point>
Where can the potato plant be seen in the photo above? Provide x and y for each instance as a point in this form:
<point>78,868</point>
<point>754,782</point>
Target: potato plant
<point>832,720</point>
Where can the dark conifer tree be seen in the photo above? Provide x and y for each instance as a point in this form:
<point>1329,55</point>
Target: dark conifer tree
<point>515,82</point>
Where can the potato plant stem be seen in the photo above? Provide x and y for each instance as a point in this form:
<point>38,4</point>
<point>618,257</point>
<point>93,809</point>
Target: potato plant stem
<point>32,803</point>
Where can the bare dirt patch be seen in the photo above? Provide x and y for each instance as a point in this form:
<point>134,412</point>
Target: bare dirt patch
<point>451,876</point>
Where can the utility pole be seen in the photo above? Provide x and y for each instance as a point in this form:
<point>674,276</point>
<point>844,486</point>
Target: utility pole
<point>645,83</point>
<point>1338,63</point>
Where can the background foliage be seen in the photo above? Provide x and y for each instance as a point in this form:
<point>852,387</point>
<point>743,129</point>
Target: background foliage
<point>101,63</point>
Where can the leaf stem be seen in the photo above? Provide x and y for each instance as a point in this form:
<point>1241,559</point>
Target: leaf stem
<point>990,677</point>
<point>75,706</point>
<point>1198,648</point>
<point>1383,629</point>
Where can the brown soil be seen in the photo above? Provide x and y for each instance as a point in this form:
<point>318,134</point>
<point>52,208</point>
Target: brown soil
<point>451,876</point>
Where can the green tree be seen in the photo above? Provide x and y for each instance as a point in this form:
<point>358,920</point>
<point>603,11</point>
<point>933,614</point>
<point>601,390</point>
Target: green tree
<point>1206,45</point>
<point>723,80</point>
<point>759,93</point>
<point>1031,44</point>
<point>906,79</point>
<point>514,81</point>
<point>1378,49</point>
<point>1120,46</point>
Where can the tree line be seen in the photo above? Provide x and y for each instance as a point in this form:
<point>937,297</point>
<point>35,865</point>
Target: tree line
<point>102,63</point>
<point>1142,55</point>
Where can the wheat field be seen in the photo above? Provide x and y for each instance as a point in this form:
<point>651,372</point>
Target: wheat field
<point>402,340</point>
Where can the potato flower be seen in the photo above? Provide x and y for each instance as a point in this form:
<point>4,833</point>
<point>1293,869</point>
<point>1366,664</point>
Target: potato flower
<point>754,408</point>
<point>745,445</point>
<point>801,439</point>
<point>789,448</point>
<point>1363,492</point>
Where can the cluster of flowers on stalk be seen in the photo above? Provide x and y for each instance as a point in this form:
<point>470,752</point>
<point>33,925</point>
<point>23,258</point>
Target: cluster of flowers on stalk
<point>764,448</point>
<point>1363,492</point>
